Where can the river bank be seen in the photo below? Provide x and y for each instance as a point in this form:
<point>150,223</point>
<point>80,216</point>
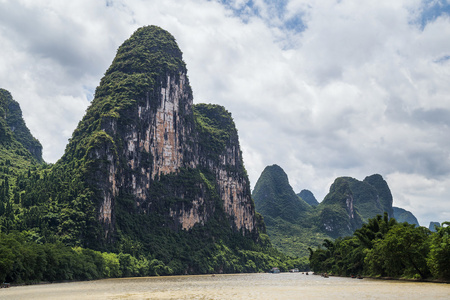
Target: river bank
<point>233,286</point>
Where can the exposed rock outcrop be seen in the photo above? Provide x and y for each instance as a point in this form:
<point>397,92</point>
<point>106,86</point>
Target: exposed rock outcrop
<point>338,214</point>
<point>150,153</point>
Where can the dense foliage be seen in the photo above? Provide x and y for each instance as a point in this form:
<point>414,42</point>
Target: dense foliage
<point>274,197</point>
<point>48,241</point>
<point>337,213</point>
<point>14,134</point>
<point>294,225</point>
<point>308,197</point>
<point>382,247</point>
<point>52,213</point>
<point>384,195</point>
<point>24,258</point>
<point>215,128</point>
<point>289,219</point>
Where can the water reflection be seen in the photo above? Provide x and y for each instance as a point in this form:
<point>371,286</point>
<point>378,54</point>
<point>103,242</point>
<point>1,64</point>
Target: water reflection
<point>240,286</point>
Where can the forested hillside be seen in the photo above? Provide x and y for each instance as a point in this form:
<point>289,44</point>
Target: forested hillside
<point>148,184</point>
<point>291,223</point>
<point>294,225</point>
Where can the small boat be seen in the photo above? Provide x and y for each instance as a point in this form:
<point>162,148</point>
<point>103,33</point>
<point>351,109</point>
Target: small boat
<point>274,270</point>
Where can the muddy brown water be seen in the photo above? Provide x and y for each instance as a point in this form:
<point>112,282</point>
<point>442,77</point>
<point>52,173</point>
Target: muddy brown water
<point>239,286</point>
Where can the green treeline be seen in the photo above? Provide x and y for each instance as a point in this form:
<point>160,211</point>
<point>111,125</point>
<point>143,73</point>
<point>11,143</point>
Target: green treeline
<point>24,259</point>
<point>385,248</point>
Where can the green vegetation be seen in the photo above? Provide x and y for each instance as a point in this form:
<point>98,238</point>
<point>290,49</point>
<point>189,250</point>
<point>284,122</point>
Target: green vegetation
<point>14,134</point>
<point>275,198</point>
<point>53,214</point>
<point>308,197</point>
<point>101,212</point>
<point>337,213</point>
<point>25,259</point>
<point>16,159</point>
<point>216,129</point>
<point>289,220</point>
<point>384,196</point>
<point>385,248</point>
<point>48,247</point>
<point>294,225</point>
<point>402,215</point>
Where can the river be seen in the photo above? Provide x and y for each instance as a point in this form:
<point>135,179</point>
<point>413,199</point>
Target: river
<point>239,286</point>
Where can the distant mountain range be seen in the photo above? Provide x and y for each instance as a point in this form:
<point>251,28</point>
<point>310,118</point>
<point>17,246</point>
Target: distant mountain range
<point>402,215</point>
<point>297,221</point>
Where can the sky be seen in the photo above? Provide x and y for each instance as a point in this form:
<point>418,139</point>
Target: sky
<point>321,88</point>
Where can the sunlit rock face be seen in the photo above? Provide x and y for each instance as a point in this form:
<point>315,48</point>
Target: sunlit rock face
<point>158,141</point>
<point>151,154</point>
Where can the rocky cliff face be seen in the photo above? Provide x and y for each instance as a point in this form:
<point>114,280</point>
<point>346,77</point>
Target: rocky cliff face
<point>362,201</point>
<point>150,153</point>
<point>338,215</point>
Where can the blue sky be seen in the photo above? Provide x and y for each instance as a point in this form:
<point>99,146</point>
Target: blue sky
<point>431,10</point>
<point>322,88</point>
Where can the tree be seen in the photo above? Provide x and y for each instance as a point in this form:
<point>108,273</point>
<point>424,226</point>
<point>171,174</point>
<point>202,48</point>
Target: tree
<point>439,257</point>
<point>375,229</point>
<point>402,252</point>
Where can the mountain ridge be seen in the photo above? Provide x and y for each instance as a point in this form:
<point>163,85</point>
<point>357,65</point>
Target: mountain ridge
<point>13,127</point>
<point>147,173</point>
<point>348,204</point>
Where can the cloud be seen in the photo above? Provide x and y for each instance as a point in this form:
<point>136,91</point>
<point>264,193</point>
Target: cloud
<point>421,195</point>
<point>322,88</point>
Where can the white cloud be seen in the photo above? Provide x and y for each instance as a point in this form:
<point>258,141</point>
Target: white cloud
<point>322,88</point>
<point>421,195</point>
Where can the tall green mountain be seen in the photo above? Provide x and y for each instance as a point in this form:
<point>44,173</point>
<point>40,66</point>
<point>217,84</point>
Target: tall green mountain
<point>19,152</point>
<point>337,213</point>
<point>384,195</point>
<point>308,197</point>
<point>294,225</point>
<point>402,215</point>
<point>371,196</point>
<point>275,198</point>
<point>351,202</point>
<point>143,149</point>
<point>16,141</point>
<point>148,173</point>
<point>288,218</point>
